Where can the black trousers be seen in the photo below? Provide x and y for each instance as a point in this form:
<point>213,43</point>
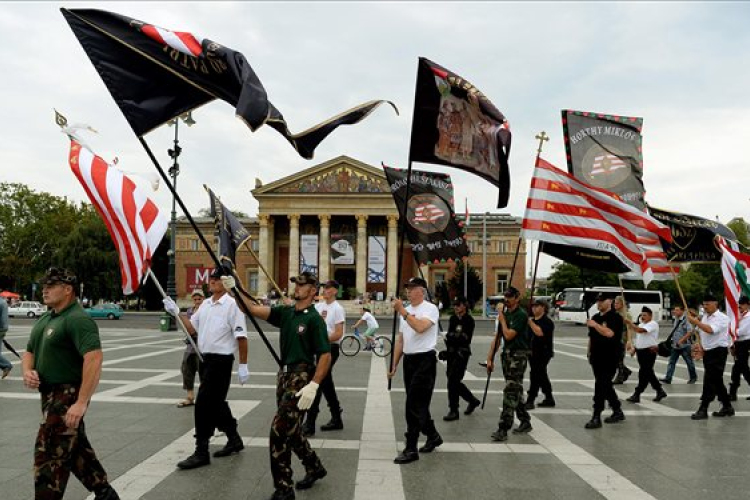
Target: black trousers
<point>456,388</point>
<point>604,371</point>
<point>419,381</point>
<point>327,389</point>
<point>714,361</point>
<point>539,378</point>
<point>211,407</point>
<point>646,375</point>
<point>740,368</point>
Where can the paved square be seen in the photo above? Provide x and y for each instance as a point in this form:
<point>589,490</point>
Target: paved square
<point>140,434</point>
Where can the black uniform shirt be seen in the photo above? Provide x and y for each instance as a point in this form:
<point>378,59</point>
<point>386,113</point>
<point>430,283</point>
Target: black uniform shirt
<point>460,331</point>
<point>543,345</point>
<point>601,346</point>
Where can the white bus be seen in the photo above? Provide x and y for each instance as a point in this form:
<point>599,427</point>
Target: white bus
<point>572,303</point>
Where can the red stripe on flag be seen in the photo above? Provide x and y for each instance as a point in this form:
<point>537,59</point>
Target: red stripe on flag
<point>153,33</point>
<point>190,42</point>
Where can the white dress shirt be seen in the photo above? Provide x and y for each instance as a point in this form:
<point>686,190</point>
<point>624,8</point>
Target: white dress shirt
<point>219,324</point>
<point>648,339</point>
<point>743,329</point>
<point>414,342</point>
<point>719,323</point>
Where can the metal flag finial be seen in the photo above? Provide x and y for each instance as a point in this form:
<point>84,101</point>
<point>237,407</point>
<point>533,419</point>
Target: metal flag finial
<point>61,121</point>
<point>541,137</point>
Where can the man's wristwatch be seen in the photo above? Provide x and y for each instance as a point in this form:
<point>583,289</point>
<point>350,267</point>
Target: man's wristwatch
<point>405,316</point>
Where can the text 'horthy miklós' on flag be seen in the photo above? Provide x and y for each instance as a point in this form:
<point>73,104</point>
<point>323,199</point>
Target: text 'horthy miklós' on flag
<point>431,225</point>
<point>155,75</point>
<point>456,125</point>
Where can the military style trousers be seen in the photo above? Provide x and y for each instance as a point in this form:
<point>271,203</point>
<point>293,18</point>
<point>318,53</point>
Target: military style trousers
<point>604,368</point>
<point>59,450</point>
<point>514,367</point>
<point>286,431</point>
<point>420,370</point>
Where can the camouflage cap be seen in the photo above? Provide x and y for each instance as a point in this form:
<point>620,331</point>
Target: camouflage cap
<point>55,275</point>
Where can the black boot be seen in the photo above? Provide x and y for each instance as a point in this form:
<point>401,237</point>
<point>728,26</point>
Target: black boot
<point>234,445</point>
<point>726,411</point>
<point>548,402</point>
<point>197,459</point>
<point>595,422</point>
<point>451,416</point>
<point>523,428</point>
<point>635,398</point>
<point>617,416</point>
<point>701,414</point>
<point>335,424</point>
<point>472,406</point>
<point>626,373</point>
<point>311,477</point>
<point>661,394</point>
<point>106,493</point>
<point>432,442</point>
<point>501,434</point>
<point>308,428</point>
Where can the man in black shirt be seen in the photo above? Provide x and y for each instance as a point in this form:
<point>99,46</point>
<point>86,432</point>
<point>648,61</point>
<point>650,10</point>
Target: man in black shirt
<point>605,332</point>
<point>458,343</point>
<point>542,352</point>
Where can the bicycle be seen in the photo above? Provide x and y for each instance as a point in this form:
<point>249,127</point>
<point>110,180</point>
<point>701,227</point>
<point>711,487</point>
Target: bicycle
<point>351,344</point>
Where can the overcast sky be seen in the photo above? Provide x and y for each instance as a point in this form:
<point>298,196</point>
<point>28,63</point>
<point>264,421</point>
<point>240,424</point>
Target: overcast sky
<point>683,67</point>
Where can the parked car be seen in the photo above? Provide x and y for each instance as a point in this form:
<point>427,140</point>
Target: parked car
<point>26,308</point>
<point>109,311</point>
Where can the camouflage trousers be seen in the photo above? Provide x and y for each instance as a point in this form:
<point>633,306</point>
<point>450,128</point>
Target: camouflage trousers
<point>286,431</point>
<point>514,367</point>
<point>59,450</point>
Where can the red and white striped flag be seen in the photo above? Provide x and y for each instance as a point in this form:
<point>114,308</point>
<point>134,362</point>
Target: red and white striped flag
<point>734,268</point>
<point>134,222</point>
<point>561,209</point>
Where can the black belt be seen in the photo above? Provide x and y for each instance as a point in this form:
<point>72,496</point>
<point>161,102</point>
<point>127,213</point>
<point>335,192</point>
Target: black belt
<point>46,388</point>
<point>298,368</point>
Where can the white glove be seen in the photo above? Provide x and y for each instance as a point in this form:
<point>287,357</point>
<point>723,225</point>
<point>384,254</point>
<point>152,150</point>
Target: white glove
<point>243,374</point>
<point>170,306</point>
<point>307,395</point>
<point>228,282</point>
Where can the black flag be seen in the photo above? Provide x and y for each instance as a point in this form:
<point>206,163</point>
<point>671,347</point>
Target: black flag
<point>431,225</point>
<point>455,124</point>
<point>692,236</point>
<point>155,75</point>
<point>231,233</point>
<point>606,152</point>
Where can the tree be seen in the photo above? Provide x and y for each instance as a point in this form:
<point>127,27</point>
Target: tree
<point>739,226</point>
<point>474,285</point>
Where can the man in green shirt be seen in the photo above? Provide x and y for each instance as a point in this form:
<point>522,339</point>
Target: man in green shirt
<point>513,326</point>
<point>302,335</point>
<point>63,360</point>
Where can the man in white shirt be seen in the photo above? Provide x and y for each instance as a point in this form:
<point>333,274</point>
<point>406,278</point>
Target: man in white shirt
<point>372,326</point>
<point>741,349</point>
<point>645,347</point>
<point>221,329</point>
<point>335,317</point>
<point>416,342</point>
<point>713,327</point>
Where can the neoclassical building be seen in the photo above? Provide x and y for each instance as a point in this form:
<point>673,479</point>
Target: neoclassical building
<point>338,219</point>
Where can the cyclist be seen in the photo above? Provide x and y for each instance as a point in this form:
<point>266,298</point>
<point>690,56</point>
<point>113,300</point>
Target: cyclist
<point>372,326</point>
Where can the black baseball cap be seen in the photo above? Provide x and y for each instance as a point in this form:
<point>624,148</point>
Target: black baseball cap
<point>512,292</point>
<point>415,282</point>
<point>601,296</point>
<point>305,278</point>
<point>541,302</point>
<point>218,272</point>
<point>332,284</point>
<point>460,301</point>
<point>55,275</point>
<point>710,297</point>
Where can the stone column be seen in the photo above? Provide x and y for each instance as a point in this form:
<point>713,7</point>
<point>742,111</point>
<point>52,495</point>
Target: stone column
<point>392,258</point>
<point>263,253</point>
<point>271,266</point>
<point>324,246</point>
<point>361,262</point>
<point>293,248</point>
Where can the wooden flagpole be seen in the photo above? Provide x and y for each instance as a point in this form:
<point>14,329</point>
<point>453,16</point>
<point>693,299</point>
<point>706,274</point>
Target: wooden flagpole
<point>260,264</point>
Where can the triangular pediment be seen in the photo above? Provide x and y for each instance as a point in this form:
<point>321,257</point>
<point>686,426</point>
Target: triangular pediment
<point>340,175</point>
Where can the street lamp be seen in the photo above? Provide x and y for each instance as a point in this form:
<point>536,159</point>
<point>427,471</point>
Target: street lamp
<point>174,171</point>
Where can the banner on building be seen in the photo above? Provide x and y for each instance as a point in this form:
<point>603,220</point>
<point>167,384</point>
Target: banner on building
<point>343,248</point>
<point>431,225</point>
<point>376,259</point>
<point>308,253</point>
<point>196,277</point>
<point>605,151</point>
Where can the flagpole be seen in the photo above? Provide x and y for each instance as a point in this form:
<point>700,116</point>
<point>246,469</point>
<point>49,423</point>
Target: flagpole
<point>263,269</point>
<point>208,248</point>
<point>466,261</point>
<point>178,317</point>
<point>541,137</point>
<point>401,237</point>
<point>484,265</point>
